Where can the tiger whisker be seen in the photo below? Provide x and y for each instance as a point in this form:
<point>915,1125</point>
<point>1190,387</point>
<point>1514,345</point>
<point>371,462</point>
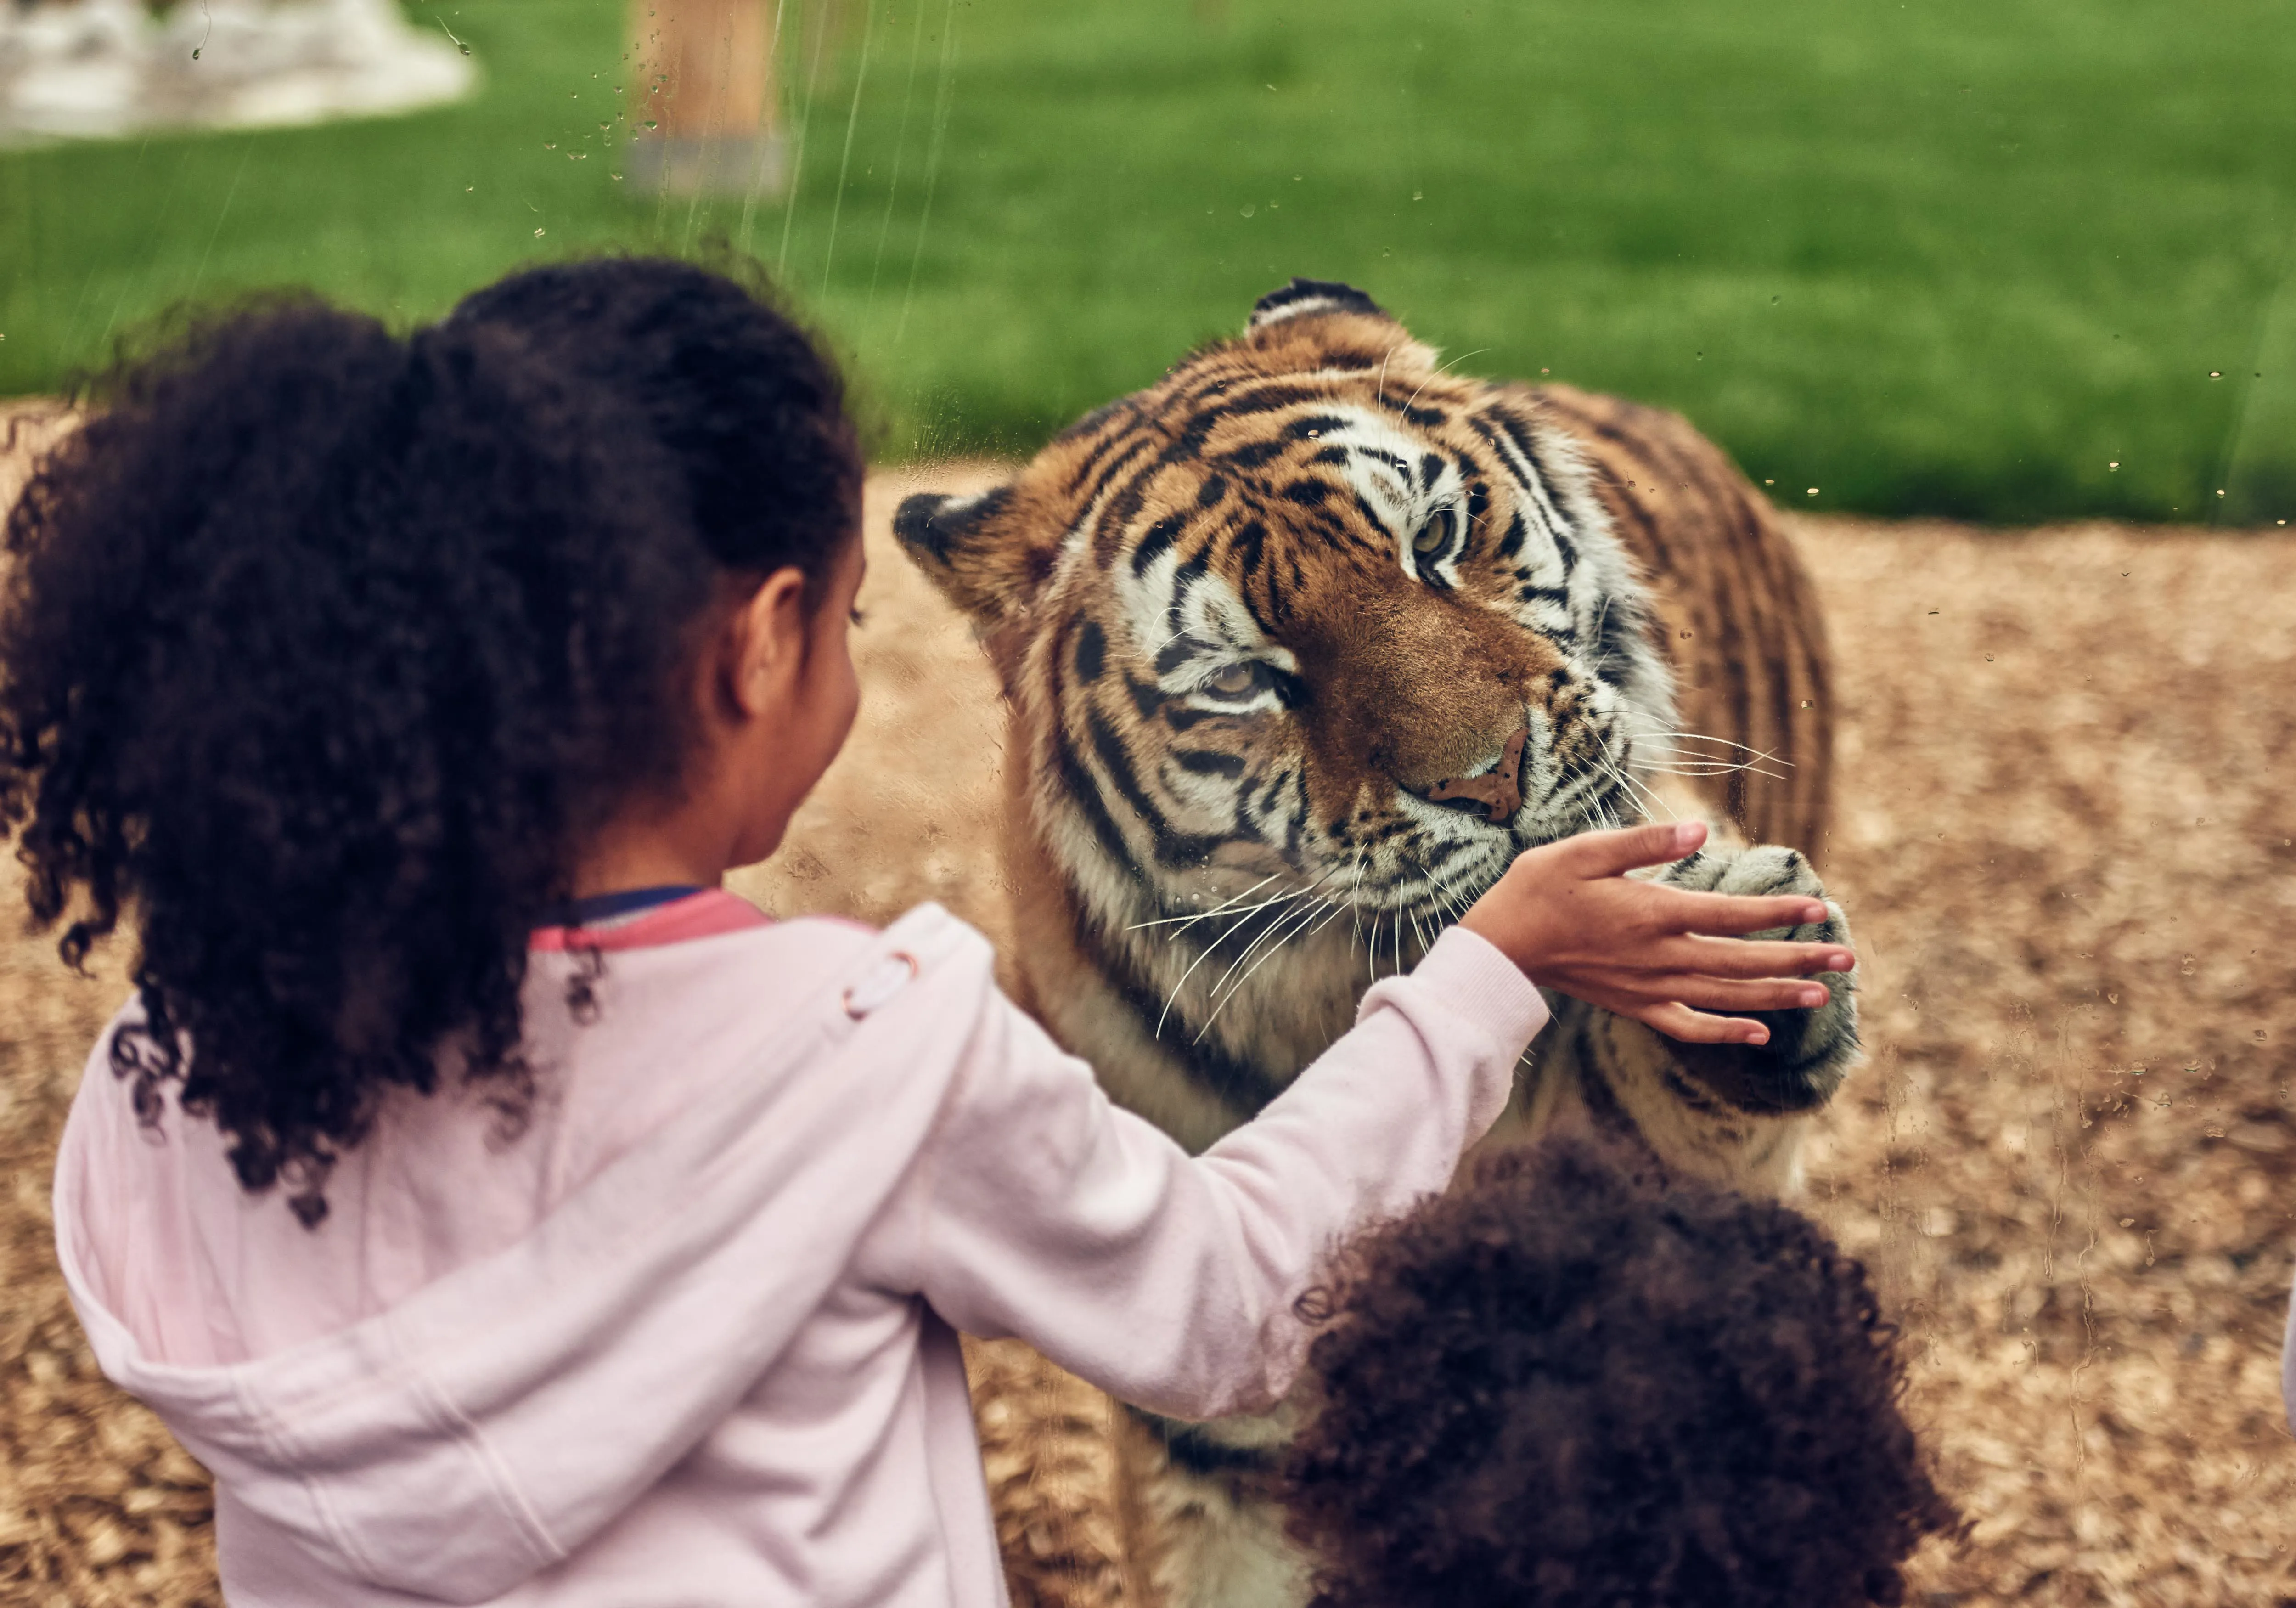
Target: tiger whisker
<point>1271,927</point>
<point>1338,910</point>
<point>1641,790</point>
<point>1693,767</point>
<point>1188,920</point>
<point>1458,901</point>
<point>1703,737</point>
<point>1355,896</point>
<point>1708,771</point>
<point>1718,742</point>
<point>1220,1002</point>
<point>1439,367</point>
<point>1213,947</point>
<point>1208,951</point>
<point>1371,948</point>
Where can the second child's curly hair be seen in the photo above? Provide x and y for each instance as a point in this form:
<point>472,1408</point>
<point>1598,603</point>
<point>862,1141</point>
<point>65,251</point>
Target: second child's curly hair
<point>1571,1386</point>
<point>322,649</point>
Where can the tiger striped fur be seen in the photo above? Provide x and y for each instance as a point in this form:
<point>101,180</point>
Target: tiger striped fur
<point>1266,631</point>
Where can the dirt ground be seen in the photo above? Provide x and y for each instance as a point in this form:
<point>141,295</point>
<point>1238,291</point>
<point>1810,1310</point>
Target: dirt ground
<point>2066,841</point>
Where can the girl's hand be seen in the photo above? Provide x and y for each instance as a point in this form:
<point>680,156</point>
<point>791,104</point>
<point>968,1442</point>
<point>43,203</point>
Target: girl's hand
<point>1570,917</point>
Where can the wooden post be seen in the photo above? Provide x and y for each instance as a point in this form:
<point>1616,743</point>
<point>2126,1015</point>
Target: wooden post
<point>703,78</point>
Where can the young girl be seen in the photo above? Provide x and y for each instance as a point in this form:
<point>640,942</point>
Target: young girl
<point>1566,1384</point>
<point>500,1209</point>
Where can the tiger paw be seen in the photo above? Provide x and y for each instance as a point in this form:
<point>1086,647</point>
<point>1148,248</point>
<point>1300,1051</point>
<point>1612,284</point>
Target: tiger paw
<point>1810,1052</point>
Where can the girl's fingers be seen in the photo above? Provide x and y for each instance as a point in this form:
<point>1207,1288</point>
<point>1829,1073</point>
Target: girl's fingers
<point>1598,854</point>
<point>1727,994</point>
<point>1742,957</point>
<point>1625,992</point>
<point>1678,1020</point>
<point>1730,914</point>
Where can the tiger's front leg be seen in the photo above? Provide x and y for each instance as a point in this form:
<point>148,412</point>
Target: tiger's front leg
<point>1733,1114</point>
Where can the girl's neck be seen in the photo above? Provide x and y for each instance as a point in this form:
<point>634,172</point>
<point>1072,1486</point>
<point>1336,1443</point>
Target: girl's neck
<point>653,850</point>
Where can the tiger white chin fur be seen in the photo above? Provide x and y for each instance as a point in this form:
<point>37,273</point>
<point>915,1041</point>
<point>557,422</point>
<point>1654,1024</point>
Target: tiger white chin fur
<point>1267,631</point>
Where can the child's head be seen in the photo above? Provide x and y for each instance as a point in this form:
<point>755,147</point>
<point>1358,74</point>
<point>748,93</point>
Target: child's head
<point>1566,1385</point>
<point>328,652</point>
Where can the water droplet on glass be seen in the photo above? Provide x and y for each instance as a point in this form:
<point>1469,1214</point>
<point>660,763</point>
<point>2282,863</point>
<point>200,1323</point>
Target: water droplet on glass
<point>538,234</point>
<point>650,123</point>
<point>2220,491</point>
<point>195,52</point>
<point>1989,658</point>
<point>1249,209</point>
<point>1774,300</point>
<point>465,50</point>
<point>2128,1222</point>
<point>2215,374</point>
<point>1415,195</point>
<point>1808,704</point>
<point>1813,491</point>
<point>2115,464</point>
<point>1769,482</point>
<point>550,144</point>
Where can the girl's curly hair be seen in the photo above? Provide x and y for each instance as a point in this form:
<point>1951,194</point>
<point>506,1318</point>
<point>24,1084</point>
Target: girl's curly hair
<point>323,648</point>
<point>1569,1385</point>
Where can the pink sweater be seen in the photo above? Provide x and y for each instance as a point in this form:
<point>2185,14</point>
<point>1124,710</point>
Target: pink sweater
<point>689,1338</point>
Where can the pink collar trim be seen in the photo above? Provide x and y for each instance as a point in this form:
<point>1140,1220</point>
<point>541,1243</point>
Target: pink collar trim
<point>707,914</point>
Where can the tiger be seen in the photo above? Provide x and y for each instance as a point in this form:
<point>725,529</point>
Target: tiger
<point>1300,645</point>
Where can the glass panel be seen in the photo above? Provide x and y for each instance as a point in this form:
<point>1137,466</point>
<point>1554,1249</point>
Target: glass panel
<point>1993,300</point>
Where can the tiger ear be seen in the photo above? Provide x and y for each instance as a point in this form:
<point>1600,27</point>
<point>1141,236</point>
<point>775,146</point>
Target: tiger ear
<point>1305,298</point>
<point>982,552</point>
<point>1321,322</point>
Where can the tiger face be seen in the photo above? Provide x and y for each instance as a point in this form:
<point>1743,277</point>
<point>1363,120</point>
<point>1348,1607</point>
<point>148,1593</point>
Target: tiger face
<point>1308,615</point>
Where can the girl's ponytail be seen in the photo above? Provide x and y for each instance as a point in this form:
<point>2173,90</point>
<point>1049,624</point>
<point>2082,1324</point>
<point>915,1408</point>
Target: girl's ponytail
<point>322,650</point>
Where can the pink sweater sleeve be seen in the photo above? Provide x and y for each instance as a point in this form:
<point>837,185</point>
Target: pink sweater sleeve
<point>1043,1211</point>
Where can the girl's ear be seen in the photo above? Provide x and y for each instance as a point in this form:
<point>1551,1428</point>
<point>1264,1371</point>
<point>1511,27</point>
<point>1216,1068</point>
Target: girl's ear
<point>763,648</point>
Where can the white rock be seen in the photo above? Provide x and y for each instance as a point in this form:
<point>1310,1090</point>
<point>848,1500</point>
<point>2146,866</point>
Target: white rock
<point>102,67</point>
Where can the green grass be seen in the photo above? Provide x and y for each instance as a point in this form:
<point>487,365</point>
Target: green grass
<point>1950,256</point>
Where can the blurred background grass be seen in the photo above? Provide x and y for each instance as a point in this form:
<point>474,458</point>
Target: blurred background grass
<point>1950,256</point>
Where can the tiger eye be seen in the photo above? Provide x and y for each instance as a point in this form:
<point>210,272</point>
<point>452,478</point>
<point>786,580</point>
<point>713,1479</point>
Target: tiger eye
<point>1433,536</point>
<point>1234,681</point>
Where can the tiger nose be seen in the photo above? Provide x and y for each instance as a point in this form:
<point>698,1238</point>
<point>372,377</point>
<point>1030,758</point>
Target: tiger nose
<point>1495,794</point>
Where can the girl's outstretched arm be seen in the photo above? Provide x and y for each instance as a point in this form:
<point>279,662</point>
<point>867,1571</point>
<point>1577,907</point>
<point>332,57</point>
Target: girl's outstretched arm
<point>1042,1211</point>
